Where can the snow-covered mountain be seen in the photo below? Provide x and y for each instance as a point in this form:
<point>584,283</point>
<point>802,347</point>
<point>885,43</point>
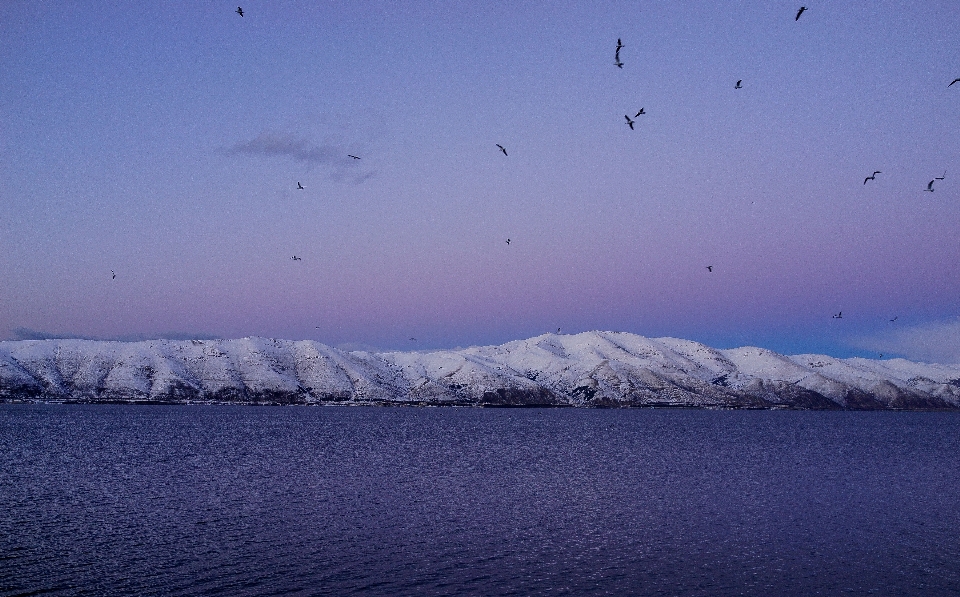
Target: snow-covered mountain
<point>592,369</point>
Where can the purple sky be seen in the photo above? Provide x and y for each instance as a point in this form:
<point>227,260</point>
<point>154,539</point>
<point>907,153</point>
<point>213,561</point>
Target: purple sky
<point>165,141</point>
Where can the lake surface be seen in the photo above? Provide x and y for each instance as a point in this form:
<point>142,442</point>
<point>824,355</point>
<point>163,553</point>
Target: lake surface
<point>220,500</point>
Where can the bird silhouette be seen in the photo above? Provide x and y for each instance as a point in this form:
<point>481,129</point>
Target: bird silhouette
<point>352,156</point>
<point>113,275</point>
<point>617,54</point>
<point>299,186</point>
<point>640,113</point>
<point>800,12</point>
<point>838,315</point>
<point>295,258</point>
<point>953,81</point>
<point>502,148</point>
<point>558,329</point>
<point>629,122</point>
<point>508,241</point>
<point>239,11</point>
<point>930,185</point>
<point>872,176</point>
<point>738,85</point>
<point>710,268</point>
<point>894,318</point>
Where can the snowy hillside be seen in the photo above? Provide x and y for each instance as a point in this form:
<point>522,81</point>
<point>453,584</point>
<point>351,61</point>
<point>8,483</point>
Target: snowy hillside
<point>592,369</point>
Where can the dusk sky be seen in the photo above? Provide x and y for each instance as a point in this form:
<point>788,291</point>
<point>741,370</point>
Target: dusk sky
<point>164,141</point>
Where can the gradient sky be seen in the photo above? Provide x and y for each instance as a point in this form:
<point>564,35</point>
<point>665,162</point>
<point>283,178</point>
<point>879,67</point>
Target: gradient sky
<point>164,141</point>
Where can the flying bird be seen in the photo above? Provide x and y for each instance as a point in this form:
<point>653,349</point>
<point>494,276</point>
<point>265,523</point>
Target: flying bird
<point>239,11</point>
<point>953,81</point>
<point>894,318</point>
<point>113,275</point>
<point>838,315</point>
<point>872,176</point>
<point>502,148</point>
<point>617,55</point>
<point>800,12</point>
<point>738,85</point>
<point>558,329</point>
<point>299,186</point>
<point>352,156</point>
<point>930,185</point>
<point>640,113</point>
<point>710,268</point>
<point>508,241</point>
<point>629,122</point>
<point>295,258</point>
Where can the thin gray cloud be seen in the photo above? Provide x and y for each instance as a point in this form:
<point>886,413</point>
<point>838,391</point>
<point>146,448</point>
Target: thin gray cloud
<point>29,334</point>
<point>931,342</point>
<point>278,145</point>
<point>343,168</point>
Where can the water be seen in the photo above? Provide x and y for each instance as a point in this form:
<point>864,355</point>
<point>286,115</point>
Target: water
<point>202,500</point>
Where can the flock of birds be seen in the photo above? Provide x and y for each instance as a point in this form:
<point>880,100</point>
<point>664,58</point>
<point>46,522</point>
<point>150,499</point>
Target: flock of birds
<point>632,121</point>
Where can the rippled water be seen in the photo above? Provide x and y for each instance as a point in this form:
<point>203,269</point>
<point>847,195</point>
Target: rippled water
<point>201,500</point>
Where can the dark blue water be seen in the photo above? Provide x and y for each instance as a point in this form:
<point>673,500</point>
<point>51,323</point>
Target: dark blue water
<point>198,500</point>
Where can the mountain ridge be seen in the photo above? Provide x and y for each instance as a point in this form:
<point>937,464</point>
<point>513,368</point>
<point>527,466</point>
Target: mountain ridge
<point>590,369</point>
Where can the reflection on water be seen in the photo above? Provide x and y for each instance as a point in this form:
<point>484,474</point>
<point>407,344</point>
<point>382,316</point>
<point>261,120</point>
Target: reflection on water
<point>219,500</point>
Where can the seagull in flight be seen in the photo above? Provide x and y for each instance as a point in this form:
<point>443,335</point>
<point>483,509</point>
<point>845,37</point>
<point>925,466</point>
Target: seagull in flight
<point>640,113</point>
<point>508,241</point>
<point>800,12</point>
<point>629,122</point>
<point>295,258</point>
<point>299,186</point>
<point>113,275</point>
<point>617,55</point>
<point>838,315</point>
<point>872,176</point>
<point>710,268</point>
<point>738,85</point>
<point>239,11</point>
<point>954,81</point>
<point>502,148</point>
<point>930,185</point>
<point>894,318</point>
<point>352,156</point>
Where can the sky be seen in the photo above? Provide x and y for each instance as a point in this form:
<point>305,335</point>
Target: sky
<point>163,143</point>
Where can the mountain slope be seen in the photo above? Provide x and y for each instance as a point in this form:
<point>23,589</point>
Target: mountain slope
<point>591,369</point>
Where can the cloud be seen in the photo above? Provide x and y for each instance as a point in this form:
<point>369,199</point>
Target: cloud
<point>932,342</point>
<point>28,334</point>
<point>269,144</point>
<point>273,144</point>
